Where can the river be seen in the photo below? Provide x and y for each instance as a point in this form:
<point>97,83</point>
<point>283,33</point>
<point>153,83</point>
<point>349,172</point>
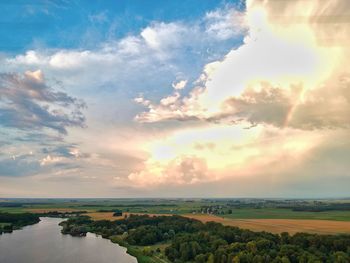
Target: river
<point>44,243</point>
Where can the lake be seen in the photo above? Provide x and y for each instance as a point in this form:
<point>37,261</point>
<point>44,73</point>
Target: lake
<point>44,243</point>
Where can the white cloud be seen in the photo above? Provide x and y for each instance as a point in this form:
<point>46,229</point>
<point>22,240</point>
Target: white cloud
<point>225,23</point>
<point>288,84</point>
<point>163,36</point>
<point>182,170</point>
<point>160,49</point>
<point>179,85</point>
<point>282,70</point>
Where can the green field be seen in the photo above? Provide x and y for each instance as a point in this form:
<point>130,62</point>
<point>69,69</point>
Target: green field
<point>129,205</point>
<point>251,209</point>
<point>278,213</point>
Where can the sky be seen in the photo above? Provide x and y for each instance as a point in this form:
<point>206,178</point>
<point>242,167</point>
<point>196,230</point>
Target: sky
<point>193,98</point>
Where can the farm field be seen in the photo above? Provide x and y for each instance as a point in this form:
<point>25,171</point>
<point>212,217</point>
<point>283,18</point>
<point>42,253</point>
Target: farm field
<point>242,213</point>
<point>103,216</point>
<point>257,215</point>
<point>291,226</point>
<point>278,213</point>
<point>276,226</point>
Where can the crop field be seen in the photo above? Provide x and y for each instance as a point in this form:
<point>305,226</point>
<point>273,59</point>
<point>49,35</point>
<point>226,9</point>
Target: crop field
<point>291,226</point>
<point>278,213</point>
<point>103,216</point>
<point>258,215</point>
<point>242,213</point>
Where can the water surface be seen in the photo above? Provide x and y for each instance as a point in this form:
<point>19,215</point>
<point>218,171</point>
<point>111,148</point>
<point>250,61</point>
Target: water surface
<point>44,243</point>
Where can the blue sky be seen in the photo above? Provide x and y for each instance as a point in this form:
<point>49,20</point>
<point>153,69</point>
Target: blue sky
<point>173,98</point>
<point>85,24</point>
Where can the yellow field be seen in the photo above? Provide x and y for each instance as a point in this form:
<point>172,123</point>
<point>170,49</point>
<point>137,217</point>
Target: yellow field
<point>291,226</point>
<point>103,216</point>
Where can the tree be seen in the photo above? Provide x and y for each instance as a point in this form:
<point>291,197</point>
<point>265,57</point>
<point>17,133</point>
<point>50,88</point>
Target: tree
<point>210,258</point>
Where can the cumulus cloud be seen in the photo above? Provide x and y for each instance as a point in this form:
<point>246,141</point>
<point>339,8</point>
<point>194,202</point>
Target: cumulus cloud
<point>217,152</point>
<point>35,110</point>
<point>182,170</point>
<point>107,77</point>
<point>288,83</point>
<point>281,88</point>
<point>283,74</point>
<point>27,102</point>
<point>159,48</point>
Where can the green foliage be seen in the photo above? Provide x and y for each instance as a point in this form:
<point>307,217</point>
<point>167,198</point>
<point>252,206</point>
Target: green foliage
<point>9,221</point>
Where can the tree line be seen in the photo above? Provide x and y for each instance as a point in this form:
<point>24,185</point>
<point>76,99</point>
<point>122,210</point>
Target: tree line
<point>10,221</point>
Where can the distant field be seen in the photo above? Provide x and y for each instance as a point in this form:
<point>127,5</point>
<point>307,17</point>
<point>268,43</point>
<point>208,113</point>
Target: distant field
<point>46,210</point>
<point>270,225</point>
<point>277,213</point>
<point>242,213</point>
<point>109,215</point>
<point>11,210</point>
<point>269,218</point>
<point>291,226</point>
<point>103,216</point>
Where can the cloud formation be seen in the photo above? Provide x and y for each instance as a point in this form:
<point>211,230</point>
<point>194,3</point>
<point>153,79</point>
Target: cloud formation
<point>284,74</point>
<point>225,23</point>
<point>33,109</point>
<point>234,103</point>
<point>22,165</point>
<point>182,170</point>
<point>28,103</point>
<point>288,83</point>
